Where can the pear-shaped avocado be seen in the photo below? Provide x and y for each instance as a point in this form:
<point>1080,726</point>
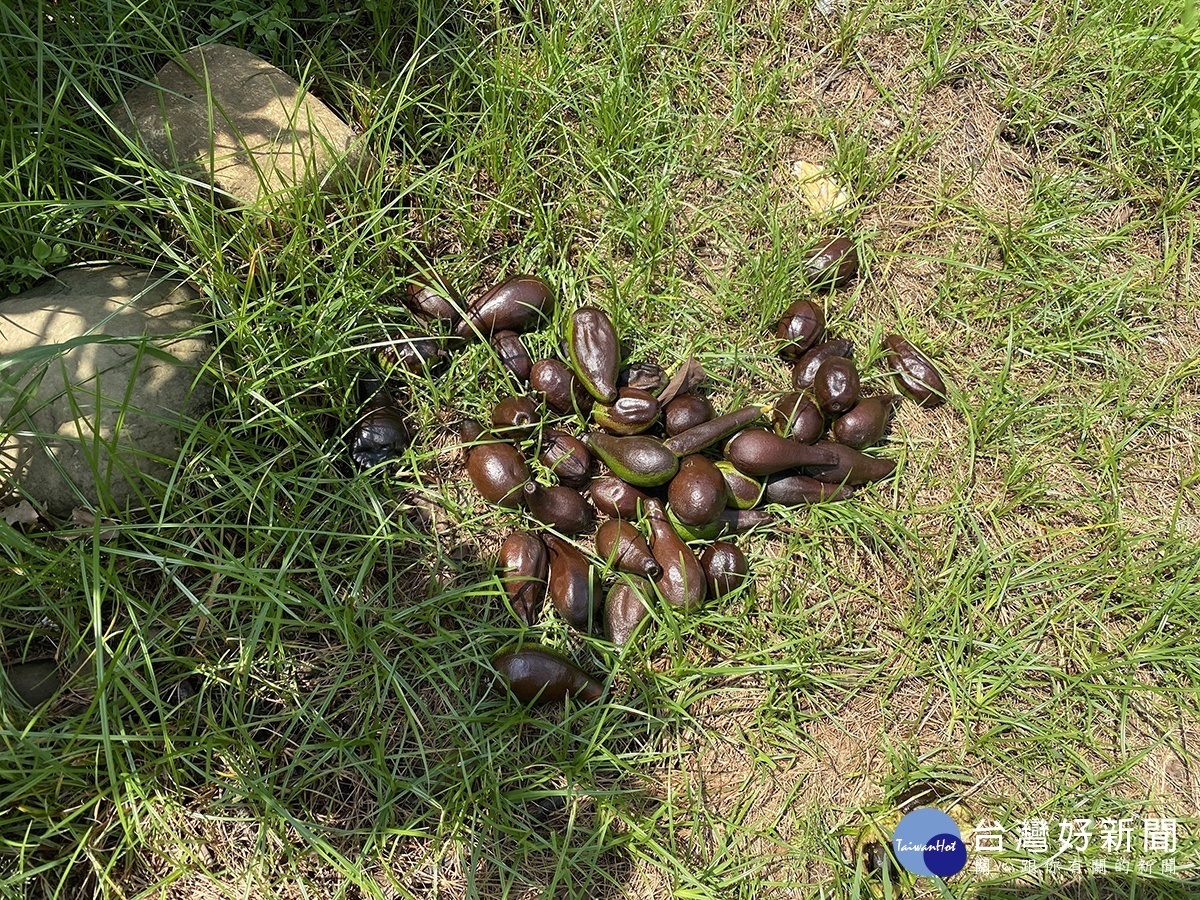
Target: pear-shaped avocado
<point>832,265</point>
<point>380,435</point>
<point>542,676</point>
<point>853,467</point>
<point>798,417</point>
<point>575,587</point>
<point>866,423</point>
<point>622,546</point>
<point>739,521</point>
<point>682,582</point>
<point>758,452</point>
<point>511,352</point>
<point>713,431</point>
<point>639,460</point>
<point>415,355</point>
<point>800,326</point>
<point>519,304</point>
<point>697,494</point>
<point>469,431</point>
<point>524,565</point>
<point>595,352</point>
<point>625,608</point>
<point>515,416</point>
<point>797,490</point>
<point>432,296</point>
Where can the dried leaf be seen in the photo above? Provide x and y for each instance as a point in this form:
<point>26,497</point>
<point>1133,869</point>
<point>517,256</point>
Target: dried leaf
<point>21,514</point>
<point>690,374</point>
<point>821,192</point>
<point>87,520</point>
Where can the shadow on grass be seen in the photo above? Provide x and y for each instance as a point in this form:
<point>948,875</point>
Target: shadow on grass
<point>333,695</point>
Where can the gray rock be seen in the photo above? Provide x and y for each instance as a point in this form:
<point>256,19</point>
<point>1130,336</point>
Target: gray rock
<point>76,384</point>
<point>236,122</point>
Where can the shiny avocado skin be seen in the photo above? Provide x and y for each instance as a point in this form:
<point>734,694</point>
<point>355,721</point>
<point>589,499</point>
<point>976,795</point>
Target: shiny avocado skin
<point>616,498</point>
<point>725,567</point>
<point>595,352</point>
<point>499,473</point>
<point>518,304</point>
<point>639,460</point>
<point>866,423</point>
<point>622,545</point>
<point>524,564</point>
<point>697,494</point>
<point>915,373</point>
<point>542,676</point>
<point>575,588</point>
<point>625,608</point>
<point>682,582</point>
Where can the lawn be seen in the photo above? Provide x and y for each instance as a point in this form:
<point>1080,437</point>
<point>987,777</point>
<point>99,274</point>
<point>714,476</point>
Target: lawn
<point>284,687</point>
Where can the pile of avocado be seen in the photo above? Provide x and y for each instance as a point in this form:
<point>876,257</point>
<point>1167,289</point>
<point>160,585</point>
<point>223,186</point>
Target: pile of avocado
<point>655,438</point>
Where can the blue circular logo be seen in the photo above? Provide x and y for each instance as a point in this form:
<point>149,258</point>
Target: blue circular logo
<point>927,842</point>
